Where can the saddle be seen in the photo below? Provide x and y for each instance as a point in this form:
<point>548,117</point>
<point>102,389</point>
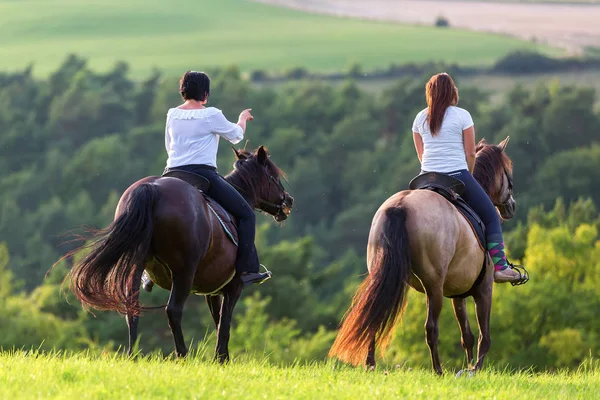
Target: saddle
<point>228,223</point>
<point>452,189</point>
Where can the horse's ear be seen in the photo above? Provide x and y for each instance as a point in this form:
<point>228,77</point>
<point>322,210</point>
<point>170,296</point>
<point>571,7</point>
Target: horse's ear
<point>262,155</point>
<point>480,145</point>
<point>503,143</point>
<point>237,153</point>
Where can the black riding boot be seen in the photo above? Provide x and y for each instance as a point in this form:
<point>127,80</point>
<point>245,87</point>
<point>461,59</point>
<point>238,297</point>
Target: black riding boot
<point>250,277</point>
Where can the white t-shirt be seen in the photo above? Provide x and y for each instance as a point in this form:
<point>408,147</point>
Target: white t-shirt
<point>192,136</point>
<point>444,152</point>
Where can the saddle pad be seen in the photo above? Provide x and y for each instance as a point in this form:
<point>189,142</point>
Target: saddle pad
<point>474,220</point>
<point>224,218</point>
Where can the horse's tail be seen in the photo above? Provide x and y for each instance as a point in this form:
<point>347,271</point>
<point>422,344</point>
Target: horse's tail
<point>117,256</point>
<point>379,301</point>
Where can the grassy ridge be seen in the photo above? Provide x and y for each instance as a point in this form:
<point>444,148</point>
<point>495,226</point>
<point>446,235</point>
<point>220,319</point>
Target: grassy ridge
<point>25,376</point>
<point>203,33</point>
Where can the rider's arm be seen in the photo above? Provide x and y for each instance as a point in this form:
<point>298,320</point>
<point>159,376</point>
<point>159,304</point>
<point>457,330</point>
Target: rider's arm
<point>167,137</point>
<point>469,143</point>
<point>228,130</point>
<point>418,145</point>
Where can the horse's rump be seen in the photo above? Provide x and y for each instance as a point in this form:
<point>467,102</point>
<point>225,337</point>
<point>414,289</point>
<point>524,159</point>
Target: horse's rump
<point>442,242</point>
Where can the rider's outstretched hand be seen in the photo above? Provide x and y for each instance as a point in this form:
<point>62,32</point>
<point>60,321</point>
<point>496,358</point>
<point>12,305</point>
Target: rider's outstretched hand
<point>246,116</point>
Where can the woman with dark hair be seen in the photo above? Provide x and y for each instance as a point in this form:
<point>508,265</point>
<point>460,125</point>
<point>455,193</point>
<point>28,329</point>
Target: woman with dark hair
<point>192,138</point>
<point>444,137</point>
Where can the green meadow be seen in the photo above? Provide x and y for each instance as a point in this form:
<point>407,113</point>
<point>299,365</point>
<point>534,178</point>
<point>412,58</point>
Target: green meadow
<point>29,376</point>
<point>185,34</point>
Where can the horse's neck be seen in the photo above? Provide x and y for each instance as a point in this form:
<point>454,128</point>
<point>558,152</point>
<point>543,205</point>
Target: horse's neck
<point>475,170</point>
<point>242,188</point>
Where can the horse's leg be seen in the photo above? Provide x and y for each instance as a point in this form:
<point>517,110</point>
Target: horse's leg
<point>132,321</point>
<point>214,305</point>
<point>231,294</point>
<point>467,340</point>
<point>435,300</point>
<point>180,290</point>
<point>483,303</point>
<point>371,356</point>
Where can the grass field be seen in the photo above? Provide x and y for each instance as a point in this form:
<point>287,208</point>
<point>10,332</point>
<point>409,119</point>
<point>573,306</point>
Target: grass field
<point>578,28</point>
<point>25,376</point>
<point>175,36</point>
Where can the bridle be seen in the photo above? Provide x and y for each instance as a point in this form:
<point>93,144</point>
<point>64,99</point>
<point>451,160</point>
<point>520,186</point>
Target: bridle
<point>265,205</point>
<point>509,178</point>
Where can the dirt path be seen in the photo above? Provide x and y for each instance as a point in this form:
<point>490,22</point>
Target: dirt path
<point>570,26</point>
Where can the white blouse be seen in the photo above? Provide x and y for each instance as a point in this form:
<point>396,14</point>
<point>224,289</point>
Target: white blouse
<point>444,152</point>
<point>192,136</point>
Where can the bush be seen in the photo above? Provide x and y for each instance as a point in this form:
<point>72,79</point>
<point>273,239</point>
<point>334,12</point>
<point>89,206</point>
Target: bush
<point>442,22</point>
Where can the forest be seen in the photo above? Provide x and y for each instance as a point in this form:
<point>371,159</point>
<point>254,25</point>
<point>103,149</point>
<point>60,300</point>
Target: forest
<point>71,143</point>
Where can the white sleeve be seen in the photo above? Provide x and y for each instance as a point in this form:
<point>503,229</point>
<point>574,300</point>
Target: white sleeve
<point>417,123</point>
<point>167,138</point>
<point>223,127</point>
<point>466,119</point>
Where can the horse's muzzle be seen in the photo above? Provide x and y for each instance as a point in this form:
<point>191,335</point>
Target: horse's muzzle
<point>507,210</point>
<point>286,208</point>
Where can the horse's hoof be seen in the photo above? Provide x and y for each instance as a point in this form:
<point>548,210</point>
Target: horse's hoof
<point>466,372</point>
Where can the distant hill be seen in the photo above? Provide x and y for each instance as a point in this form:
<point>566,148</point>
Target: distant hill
<point>569,24</point>
<point>203,33</point>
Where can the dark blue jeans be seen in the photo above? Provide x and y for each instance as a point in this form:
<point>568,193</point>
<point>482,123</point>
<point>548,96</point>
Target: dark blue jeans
<point>481,203</point>
<point>232,201</point>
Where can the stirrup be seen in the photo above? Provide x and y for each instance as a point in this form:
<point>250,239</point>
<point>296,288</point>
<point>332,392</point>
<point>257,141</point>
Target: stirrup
<point>267,271</point>
<point>263,280</point>
<point>523,274</point>
<point>147,283</point>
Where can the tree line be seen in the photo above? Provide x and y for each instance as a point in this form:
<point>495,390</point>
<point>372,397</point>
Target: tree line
<point>70,144</point>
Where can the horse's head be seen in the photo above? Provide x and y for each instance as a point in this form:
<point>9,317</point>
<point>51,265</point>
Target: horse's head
<point>260,181</point>
<point>493,171</point>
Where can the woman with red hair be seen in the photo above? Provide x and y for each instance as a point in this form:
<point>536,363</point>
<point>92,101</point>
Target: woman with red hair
<point>444,137</point>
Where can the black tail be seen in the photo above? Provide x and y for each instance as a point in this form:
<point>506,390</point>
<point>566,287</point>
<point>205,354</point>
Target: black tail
<point>379,301</point>
<point>117,256</point>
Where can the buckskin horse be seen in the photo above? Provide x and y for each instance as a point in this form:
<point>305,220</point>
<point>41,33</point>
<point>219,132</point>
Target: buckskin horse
<point>419,239</point>
<point>182,239</point>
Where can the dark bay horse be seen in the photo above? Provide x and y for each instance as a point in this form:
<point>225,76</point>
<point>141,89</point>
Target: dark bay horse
<point>419,239</point>
<point>163,225</point>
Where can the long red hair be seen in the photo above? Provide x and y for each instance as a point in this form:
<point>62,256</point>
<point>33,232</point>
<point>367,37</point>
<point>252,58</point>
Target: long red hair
<point>440,93</point>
